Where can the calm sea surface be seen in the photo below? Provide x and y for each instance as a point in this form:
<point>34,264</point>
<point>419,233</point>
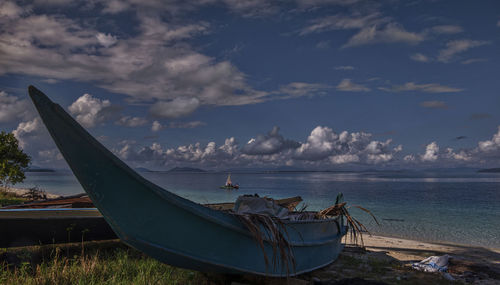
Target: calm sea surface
<point>461,207</point>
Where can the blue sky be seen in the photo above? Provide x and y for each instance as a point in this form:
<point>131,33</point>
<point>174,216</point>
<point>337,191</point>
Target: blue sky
<point>322,84</point>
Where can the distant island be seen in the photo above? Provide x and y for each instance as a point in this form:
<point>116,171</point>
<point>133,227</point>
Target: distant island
<point>186,169</point>
<point>489,170</point>
<point>39,169</point>
<point>143,169</point>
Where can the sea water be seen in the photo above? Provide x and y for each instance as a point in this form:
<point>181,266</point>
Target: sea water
<point>458,207</point>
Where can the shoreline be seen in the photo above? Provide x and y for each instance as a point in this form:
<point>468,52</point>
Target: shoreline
<point>439,243</point>
<point>23,191</point>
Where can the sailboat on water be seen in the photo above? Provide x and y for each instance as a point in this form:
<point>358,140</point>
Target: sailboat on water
<point>229,184</point>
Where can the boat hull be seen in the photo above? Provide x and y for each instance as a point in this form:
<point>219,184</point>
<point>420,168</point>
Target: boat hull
<point>49,226</point>
<point>229,187</point>
<point>170,228</point>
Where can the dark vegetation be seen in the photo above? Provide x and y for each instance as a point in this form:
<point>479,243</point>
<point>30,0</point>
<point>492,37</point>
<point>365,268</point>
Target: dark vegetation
<point>13,161</point>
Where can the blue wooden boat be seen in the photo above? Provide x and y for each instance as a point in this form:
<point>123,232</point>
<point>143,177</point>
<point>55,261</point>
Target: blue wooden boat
<point>170,228</point>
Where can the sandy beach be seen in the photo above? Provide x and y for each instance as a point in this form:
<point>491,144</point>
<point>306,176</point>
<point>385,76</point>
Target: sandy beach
<point>468,264</point>
<point>412,250</point>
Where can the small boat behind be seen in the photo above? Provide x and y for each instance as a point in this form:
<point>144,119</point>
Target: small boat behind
<point>229,184</point>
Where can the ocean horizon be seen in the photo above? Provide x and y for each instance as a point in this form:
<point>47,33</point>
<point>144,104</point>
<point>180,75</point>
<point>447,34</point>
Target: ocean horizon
<point>460,206</point>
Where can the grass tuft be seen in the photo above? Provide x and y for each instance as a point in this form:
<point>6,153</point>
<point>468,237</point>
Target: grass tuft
<point>102,263</point>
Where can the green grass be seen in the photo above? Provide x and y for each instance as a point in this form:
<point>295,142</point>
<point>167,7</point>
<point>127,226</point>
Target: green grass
<point>7,198</point>
<point>96,263</point>
<point>112,262</point>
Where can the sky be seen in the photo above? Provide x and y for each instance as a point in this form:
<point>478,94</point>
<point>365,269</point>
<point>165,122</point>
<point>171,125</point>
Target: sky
<point>218,84</point>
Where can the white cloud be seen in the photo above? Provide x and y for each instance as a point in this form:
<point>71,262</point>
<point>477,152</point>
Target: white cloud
<point>115,6</point>
<point>176,108</point>
<point>344,158</point>
<point>186,125</point>
<point>106,40</point>
<point>317,3</point>
<point>391,33</point>
<point>12,109</point>
<point>473,60</point>
<point>53,2</point>
<point>251,8</point>
<point>498,23</point>
<point>485,154</point>
<point>434,104</point>
<point>300,89</point>
<point>156,126</point>
<point>50,80</point>
<point>25,130</point>
<point>490,145</point>
<point>154,65</point>
<point>347,85</point>
<point>90,111</point>
<point>460,156</point>
<point>270,143</point>
<point>323,143</point>
<point>456,47</point>
<point>341,22</point>
<point>323,148</point>
<point>409,158</point>
<point>129,121</point>
<point>344,67</point>
<point>47,156</point>
<point>372,28</point>
<point>447,29</point>
<point>35,140</point>
<point>420,57</point>
<point>10,10</point>
<point>323,45</point>
<point>428,88</point>
<point>319,145</point>
<point>431,152</point>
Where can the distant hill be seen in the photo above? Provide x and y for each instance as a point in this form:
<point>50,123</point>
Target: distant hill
<point>39,169</point>
<point>143,169</point>
<point>489,170</point>
<point>186,169</point>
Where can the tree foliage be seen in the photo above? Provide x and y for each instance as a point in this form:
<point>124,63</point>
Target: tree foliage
<point>13,161</point>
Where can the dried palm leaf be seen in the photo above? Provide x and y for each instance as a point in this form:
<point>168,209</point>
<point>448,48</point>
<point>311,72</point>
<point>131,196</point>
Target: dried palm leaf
<point>354,227</point>
<point>272,230</point>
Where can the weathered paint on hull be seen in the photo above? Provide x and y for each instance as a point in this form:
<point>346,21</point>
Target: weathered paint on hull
<point>170,228</point>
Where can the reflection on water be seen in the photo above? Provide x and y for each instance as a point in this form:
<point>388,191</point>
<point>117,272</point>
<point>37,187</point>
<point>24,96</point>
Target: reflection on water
<point>455,207</point>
